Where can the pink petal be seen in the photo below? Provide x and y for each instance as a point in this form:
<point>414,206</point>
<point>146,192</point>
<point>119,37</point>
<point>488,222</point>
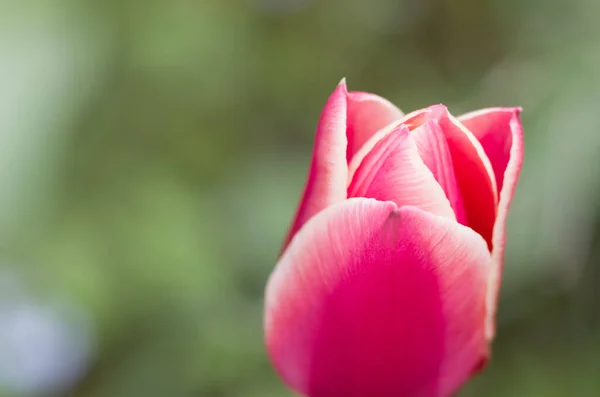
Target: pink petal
<point>328,175</point>
<point>394,171</point>
<point>474,173</point>
<point>379,135</point>
<point>371,300</point>
<point>501,134</point>
<point>367,114</point>
<point>492,128</point>
<point>434,151</point>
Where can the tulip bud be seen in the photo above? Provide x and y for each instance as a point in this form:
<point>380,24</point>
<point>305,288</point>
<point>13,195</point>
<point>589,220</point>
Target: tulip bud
<point>389,278</point>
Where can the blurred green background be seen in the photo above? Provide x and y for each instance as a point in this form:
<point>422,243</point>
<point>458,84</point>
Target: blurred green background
<point>152,154</point>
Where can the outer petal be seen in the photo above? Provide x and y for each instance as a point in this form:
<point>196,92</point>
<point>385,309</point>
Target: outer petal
<point>474,173</point>
<point>367,114</point>
<point>328,175</point>
<point>494,128</point>
<point>371,300</point>
<point>500,132</point>
<point>394,171</point>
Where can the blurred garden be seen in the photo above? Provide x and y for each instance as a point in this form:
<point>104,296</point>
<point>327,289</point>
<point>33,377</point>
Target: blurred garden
<point>152,154</point>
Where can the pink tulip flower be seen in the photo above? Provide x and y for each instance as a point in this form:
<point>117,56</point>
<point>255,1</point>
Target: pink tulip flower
<point>389,278</point>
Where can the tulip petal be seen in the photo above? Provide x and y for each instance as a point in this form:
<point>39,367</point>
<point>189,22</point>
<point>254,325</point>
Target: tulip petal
<point>501,134</point>
<point>474,173</point>
<point>376,137</point>
<point>328,175</point>
<point>394,171</point>
<point>374,300</point>
<point>367,114</point>
<point>434,151</point>
<point>494,128</point>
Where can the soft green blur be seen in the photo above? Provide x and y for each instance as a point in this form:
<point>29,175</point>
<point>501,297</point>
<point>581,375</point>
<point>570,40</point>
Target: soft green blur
<point>152,154</point>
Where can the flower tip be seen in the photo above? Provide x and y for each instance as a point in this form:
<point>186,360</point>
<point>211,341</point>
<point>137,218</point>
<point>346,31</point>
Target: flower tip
<point>342,82</point>
<point>440,107</point>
